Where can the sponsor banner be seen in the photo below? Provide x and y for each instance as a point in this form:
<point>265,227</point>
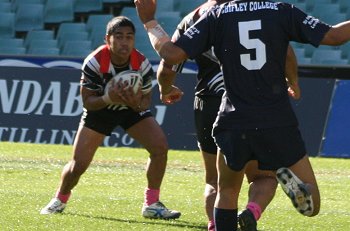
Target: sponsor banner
<point>336,142</point>
<point>43,105</point>
<point>59,62</point>
<point>312,109</point>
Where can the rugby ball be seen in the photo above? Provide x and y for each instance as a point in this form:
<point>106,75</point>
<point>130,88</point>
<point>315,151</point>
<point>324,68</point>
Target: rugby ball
<point>133,78</point>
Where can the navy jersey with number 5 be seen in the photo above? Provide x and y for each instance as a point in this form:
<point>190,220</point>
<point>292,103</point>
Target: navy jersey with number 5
<point>250,39</point>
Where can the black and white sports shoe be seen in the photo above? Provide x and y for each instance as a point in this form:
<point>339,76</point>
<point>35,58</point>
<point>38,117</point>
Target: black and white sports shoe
<point>159,211</point>
<point>296,190</point>
<point>246,221</point>
<point>54,206</point>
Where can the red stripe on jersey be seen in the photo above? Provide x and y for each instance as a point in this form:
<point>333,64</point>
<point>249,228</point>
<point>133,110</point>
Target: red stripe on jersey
<point>136,59</point>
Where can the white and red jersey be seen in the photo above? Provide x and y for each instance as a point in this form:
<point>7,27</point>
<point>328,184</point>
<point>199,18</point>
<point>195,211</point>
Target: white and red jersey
<point>98,69</point>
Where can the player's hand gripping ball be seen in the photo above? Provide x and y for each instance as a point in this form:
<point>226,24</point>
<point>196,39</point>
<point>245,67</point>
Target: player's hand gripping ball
<point>132,78</point>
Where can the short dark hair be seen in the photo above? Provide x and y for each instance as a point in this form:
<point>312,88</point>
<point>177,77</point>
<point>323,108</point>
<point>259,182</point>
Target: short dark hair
<point>119,21</point>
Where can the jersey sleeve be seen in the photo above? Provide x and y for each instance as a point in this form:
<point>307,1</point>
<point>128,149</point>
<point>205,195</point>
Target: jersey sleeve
<point>147,75</point>
<point>181,27</point>
<point>91,76</point>
<point>199,37</point>
<point>306,28</point>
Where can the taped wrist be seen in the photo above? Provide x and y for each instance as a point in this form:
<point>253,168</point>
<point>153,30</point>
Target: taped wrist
<point>156,34</point>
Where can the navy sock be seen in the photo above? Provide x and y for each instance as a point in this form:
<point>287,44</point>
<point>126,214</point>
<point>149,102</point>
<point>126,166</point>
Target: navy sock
<point>225,219</point>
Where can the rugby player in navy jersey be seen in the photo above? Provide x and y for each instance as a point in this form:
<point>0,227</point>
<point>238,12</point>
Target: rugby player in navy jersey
<point>119,106</point>
<point>256,120</point>
<point>209,90</point>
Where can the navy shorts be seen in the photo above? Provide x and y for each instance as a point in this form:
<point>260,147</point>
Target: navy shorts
<point>105,121</point>
<point>205,110</point>
<point>272,147</point>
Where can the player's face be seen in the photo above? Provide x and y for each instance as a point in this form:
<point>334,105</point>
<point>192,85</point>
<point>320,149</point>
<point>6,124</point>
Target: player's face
<point>121,43</point>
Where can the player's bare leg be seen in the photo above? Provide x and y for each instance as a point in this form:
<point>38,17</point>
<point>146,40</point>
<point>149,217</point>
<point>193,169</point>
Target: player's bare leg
<point>149,134</point>
<point>226,203</point>
<point>210,190</point>
<point>85,145</point>
<point>262,188</point>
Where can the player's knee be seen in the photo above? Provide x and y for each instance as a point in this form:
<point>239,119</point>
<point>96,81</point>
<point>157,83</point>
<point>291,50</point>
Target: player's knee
<point>159,150</point>
<point>210,190</point>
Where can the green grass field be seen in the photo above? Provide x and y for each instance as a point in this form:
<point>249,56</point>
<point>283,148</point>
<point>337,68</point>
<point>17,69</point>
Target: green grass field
<point>109,195</point>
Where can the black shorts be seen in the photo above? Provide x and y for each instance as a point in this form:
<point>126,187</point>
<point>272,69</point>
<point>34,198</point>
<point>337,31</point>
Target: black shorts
<point>205,110</point>
<point>272,147</point>
<point>105,121</point>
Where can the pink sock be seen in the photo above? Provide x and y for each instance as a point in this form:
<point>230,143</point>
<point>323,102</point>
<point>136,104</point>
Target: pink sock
<point>211,225</point>
<point>151,196</point>
<point>255,209</point>
<point>63,197</point>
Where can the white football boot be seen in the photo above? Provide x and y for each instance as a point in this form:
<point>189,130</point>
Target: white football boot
<point>54,206</point>
<point>159,211</point>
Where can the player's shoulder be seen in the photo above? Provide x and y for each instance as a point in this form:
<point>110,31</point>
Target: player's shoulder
<point>97,54</point>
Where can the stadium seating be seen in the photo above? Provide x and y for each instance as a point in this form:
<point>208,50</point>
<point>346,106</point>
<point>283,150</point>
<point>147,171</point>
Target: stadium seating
<point>68,27</point>
<point>326,56</point>
<point>310,4</point>
<point>83,6</point>
<point>97,20</point>
<point>52,51</point>
<point>13,50</point>
<point>7,25</point>
<point>344,5</point>
<point>5,7</point>
<point>57,11</point>
<point>42,43</point>
<point>185,6</point>
<point>38,35</point>
<point>16,3</point>
<point>72,36</point>
<point>169,22</point>
<point>97,36</point>
<point>145,48</point>
<point>11,42</point>
<point>322,10</point>
<point>15,17</point>
<point>77,48</point>
<point>29,17</point>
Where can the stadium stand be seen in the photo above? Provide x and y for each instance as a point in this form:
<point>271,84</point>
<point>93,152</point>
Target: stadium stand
<point>7,25</point>
<point>185,6</point>
<point>5,7</point>
<point>326,56</point>
<point>77,48</point>
<point>97,20</point>
<point>68,27</point>
<point>13,50</point>
<point>72,36</point>
<point>52,51</point>
<point>60,17</point>
<point>11,42</point>
<point>29,16</point>
<point>38,35</point>
<point>97,36</point>
<point>83,6</point>
<point>58,11</point>
<point>42,43</point>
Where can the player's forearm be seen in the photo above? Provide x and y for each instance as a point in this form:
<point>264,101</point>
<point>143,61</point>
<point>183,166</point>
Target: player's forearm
<point>165,78</point>
<point>91,100</point>
<point>337,35</point>
<point>291,66</point>
<point>161,43</point>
